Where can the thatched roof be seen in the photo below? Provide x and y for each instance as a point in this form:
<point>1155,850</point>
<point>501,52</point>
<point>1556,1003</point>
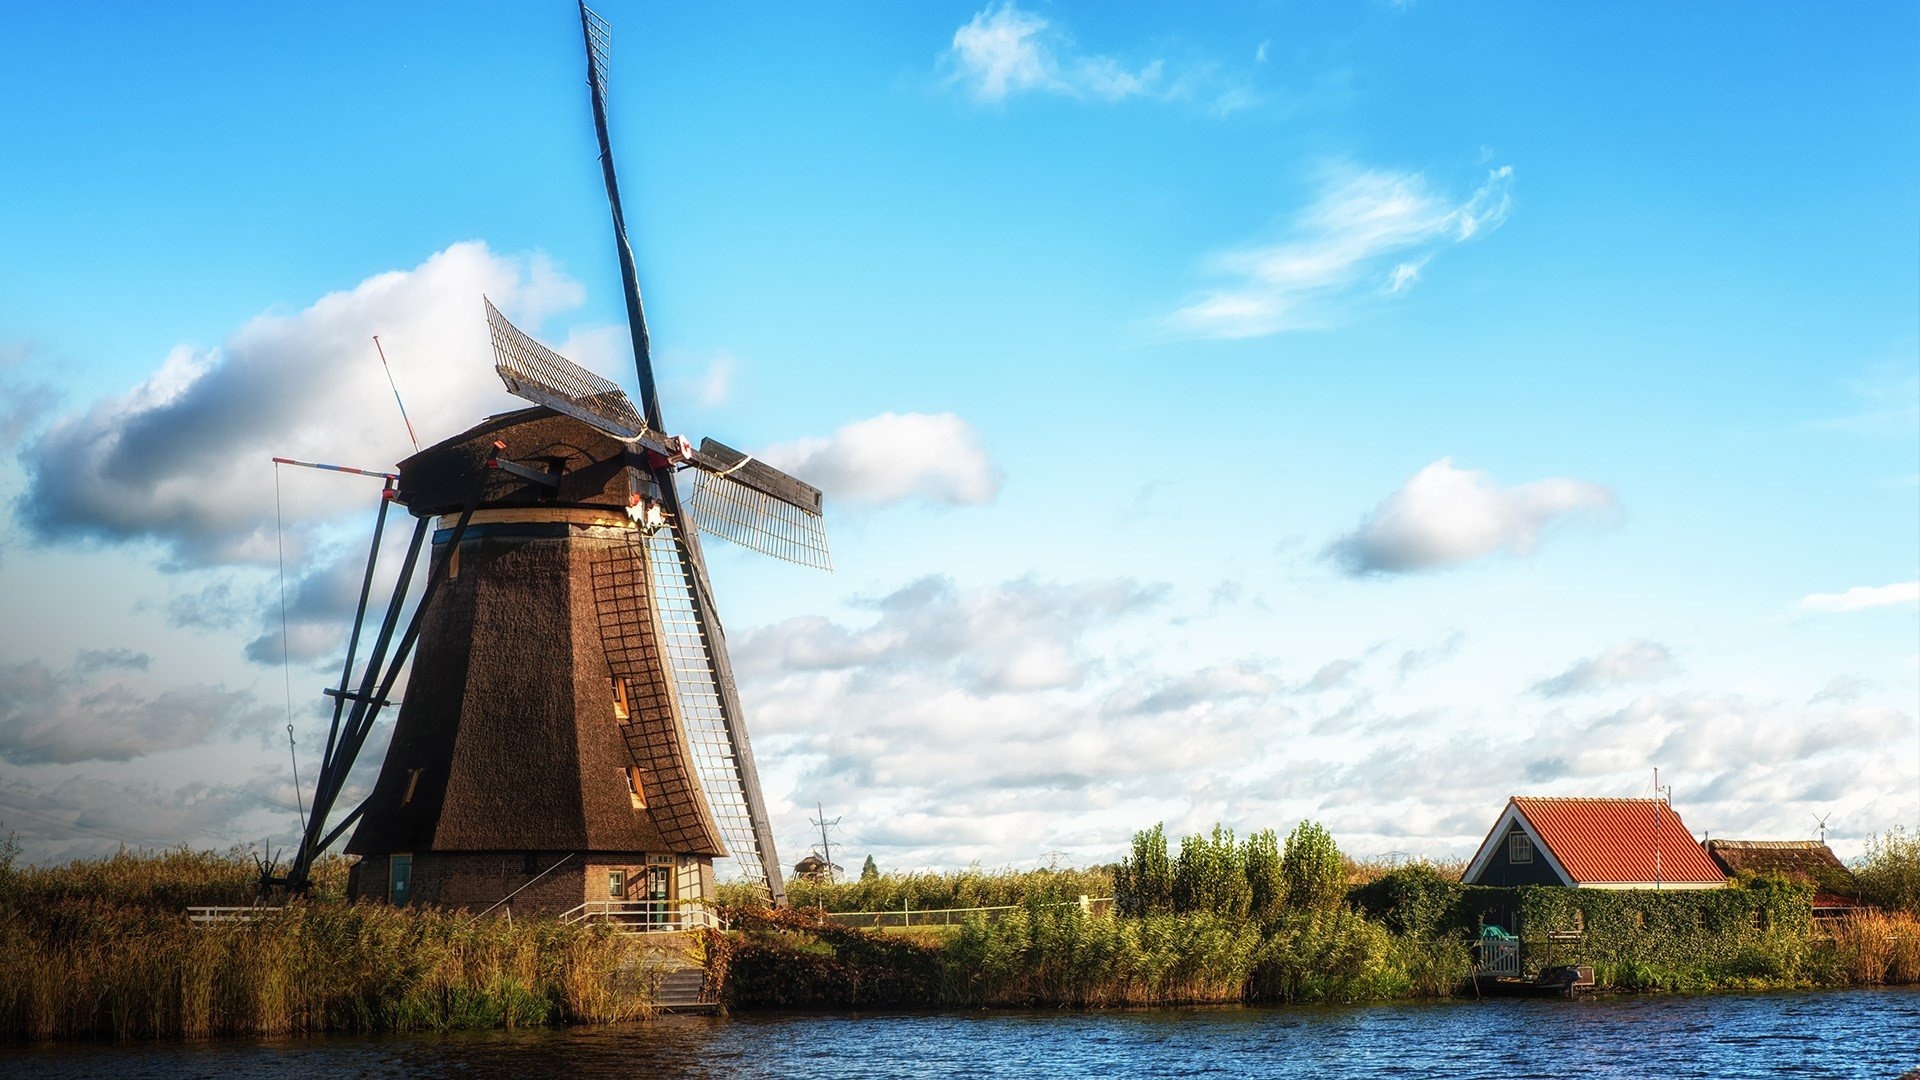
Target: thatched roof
<point>1807,862</point>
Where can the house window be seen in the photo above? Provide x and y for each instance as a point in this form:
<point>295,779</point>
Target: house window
<point>413,780</point>
<point>636,792</point>
<point>399,879</point>
<point>617,884</point>
<point>1519,847</point>
<point>620,699</point>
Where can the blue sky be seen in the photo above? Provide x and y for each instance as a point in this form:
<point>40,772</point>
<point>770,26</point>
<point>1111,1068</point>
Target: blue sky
<point>1249,413</point>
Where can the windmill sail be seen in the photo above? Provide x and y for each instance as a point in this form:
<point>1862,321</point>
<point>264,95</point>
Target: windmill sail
<point>540,375</point>
<point>697,651</point>
<point>757,506</point>
<point>696,660</point>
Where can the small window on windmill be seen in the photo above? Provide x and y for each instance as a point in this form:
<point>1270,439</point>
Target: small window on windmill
<point>635,790</point>
<point>617,884</point>
<point>1519,847</point>
<point>413,781</point>
<point>620,698</point>
<point>453,563</point>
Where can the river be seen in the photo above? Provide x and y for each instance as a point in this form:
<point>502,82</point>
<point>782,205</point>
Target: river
<point>1858,1033</point>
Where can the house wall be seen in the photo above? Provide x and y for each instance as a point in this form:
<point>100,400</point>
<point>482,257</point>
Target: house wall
<point>473,881</point>
<point>1500,871</point>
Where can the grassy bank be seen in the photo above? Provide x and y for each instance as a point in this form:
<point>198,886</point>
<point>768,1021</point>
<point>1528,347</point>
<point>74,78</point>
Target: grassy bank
<point>1260,919</point>
<point>103,949</point>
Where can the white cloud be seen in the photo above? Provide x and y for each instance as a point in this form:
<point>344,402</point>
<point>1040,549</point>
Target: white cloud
<point>1862,597</point>
<point>1445,516</point>
<point>1004,51</point>
<point>81,714</point>
<point>716,384</point>
<point>1627,662</point>
<point>90,816</point>
<point>1366,231</point>
<point>894,457</point>
<point>182,459</point>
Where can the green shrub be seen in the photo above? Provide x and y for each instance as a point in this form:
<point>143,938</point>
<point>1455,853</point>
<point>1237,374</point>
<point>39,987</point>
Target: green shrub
<point>1267,887</point>
<point>1889,871</point>
<point>1315,874</point>
<point>1210,876</point>
<point>1144,884</point>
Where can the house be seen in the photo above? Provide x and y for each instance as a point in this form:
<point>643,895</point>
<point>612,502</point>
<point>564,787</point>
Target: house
<point>1807,862</point>
<point>1592,844</point>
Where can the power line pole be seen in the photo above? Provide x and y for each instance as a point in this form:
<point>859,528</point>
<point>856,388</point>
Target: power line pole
<point>826,846</point>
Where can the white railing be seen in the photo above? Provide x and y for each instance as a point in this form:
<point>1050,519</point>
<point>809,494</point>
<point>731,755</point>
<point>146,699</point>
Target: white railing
<point>648,916</point>
<point>209,916</point>
<point>907,916</point>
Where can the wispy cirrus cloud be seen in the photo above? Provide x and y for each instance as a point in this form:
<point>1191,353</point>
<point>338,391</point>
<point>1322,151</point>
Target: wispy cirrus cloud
<point>1444,516</point>
<point>1005,51</point>
<point>1367,232</point>
<point>1864,597</point>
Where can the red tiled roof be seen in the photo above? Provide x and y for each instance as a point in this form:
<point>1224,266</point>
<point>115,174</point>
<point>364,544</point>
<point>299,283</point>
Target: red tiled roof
<point>1613,840</point>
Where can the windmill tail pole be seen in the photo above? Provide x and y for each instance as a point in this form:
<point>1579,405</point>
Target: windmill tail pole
<point>597,37</point>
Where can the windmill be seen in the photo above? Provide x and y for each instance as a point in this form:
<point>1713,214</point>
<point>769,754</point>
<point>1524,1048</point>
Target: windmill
<point>571,728</point>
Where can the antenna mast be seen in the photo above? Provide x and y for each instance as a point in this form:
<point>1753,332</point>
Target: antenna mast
<point>826,847</point>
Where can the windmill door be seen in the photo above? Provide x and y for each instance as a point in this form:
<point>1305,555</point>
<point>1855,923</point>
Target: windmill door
<point>659,886</point>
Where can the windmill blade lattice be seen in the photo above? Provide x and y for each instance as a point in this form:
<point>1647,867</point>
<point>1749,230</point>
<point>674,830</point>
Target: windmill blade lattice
<point>724,772</point>
<point>757,506</point>
<point>534,372</point>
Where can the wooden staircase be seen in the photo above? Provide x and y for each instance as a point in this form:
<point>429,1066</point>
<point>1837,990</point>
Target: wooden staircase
<point>684,990</point>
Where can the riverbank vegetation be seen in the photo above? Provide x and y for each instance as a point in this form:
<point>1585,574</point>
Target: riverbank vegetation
<point>103,948</point>
<point>1261,919</point>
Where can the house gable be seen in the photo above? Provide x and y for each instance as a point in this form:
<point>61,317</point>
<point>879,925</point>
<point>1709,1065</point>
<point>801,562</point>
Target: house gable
<point>1501,860</point>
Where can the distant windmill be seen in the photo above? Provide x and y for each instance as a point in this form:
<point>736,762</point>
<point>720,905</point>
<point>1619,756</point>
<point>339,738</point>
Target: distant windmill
<point>571,730</point>
<point>1820,821</point>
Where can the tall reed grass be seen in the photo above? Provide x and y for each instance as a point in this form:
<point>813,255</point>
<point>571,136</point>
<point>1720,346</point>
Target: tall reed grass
<point>103,948</point>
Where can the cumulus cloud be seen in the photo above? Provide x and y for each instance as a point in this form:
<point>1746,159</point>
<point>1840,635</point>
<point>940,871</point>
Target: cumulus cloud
<point>66,716</point>
<point>92,660</point>
<point>1444,516</point>
<point>1369,231</point>
<point>1864,597</point>
<point>183,459</point>
<point>91,816</point>
<point>998,710</point>
<point>1203,688</point>
<point>894,457</point>
<point>1840,689</point>
<point>1332,674</point>
<point>1004,52</point>
<point>1020,636</point>
<point>1627,662</point>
